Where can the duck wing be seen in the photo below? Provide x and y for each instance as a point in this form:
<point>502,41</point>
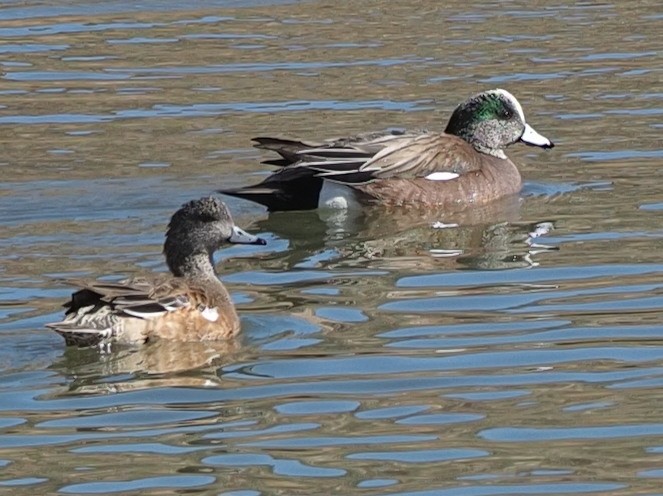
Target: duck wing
<point>405,158</point>
<point>364,145</point>
<point>95,310</point>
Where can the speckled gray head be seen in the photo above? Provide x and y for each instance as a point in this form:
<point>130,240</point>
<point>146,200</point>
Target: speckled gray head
<point>493,120</point>
<point>201,227</point>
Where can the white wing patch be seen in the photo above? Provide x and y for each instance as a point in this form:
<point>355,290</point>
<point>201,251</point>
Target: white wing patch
<point>441,176</point>
<point>144,315</point>
<point>211,314</point>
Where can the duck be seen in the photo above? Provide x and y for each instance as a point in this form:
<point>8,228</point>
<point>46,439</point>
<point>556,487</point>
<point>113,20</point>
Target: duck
<point>189,304</point>
<point>463,166</point>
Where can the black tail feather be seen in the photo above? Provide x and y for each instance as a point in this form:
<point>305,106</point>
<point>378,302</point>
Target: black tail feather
<point>293,192</point>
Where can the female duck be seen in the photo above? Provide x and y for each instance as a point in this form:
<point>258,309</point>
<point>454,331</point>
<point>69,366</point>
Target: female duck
<point>190,305</point>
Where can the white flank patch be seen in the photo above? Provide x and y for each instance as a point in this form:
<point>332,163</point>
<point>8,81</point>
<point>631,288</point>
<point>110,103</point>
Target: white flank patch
<point>442,225</point>
<point>338,196</point>
<point>441,176</point>
<point>211,314</point>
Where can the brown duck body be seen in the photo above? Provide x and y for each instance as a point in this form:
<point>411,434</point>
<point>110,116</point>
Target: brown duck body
<point>135,311</point>
<point>462,166</point>
<point>396,176</point>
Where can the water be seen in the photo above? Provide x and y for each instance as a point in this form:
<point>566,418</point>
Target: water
<point>384,352</point>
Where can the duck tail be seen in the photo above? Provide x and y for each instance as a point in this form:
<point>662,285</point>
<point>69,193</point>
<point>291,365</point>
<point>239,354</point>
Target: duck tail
<point>80,336</point>
<point>290,188</point>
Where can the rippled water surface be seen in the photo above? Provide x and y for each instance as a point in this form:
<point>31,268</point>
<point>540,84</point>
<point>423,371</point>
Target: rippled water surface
<point>515,349</point>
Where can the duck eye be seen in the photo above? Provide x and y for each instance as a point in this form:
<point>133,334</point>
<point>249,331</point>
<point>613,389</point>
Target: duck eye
<point>206,217</point>
<point>507,114</point>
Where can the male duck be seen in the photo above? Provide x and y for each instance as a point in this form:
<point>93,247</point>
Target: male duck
<point>190,305</point>
<point>465,164</point>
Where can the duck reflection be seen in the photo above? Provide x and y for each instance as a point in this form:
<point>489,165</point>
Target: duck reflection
<point>491,237</point>
<point>160,363</point>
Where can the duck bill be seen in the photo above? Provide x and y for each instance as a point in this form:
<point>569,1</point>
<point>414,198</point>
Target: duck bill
<point>531,137</point>
<point>240,236</point>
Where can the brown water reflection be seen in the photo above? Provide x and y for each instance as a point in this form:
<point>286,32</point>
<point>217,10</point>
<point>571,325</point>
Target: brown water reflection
<point>517,353</point>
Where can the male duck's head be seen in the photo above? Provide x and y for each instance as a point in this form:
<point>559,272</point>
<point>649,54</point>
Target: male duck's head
<point>493,120</point>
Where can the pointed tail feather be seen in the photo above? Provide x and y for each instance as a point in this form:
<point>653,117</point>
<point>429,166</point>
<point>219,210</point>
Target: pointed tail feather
<point>289,150</point>
<point>286,197</point>
<point>295,192</point>
<point>78,336</point>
